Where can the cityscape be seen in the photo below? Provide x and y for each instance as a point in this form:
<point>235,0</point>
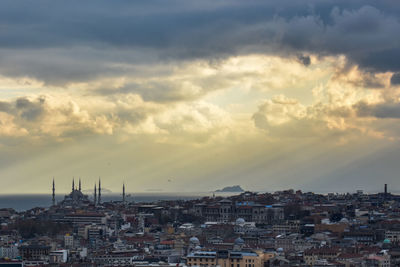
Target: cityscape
<point>245,229</point>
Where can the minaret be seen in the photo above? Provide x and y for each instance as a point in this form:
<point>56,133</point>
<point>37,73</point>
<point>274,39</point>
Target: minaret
<point>80,188</point>
<point>385,192</point>
<point>73,184</point>
<point>99,196</point>
<point>123,193</point>
<point>95,194</point>
<point>54,194</point>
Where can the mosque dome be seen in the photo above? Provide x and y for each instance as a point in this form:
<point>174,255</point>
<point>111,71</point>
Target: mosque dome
<point>239,241</point>
<point>194,240</point>
<point>240,221</point>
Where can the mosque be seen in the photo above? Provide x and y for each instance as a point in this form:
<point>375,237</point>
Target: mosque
<point>78,199</point>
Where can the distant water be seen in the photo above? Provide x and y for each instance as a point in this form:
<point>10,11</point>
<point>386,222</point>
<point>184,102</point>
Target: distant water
<point>26,202</point>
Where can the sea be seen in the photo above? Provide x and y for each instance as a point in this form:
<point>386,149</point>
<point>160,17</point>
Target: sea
<point>29,201</point>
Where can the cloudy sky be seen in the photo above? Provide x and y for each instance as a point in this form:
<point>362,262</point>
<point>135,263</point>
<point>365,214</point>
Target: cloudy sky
<point>188,96</point>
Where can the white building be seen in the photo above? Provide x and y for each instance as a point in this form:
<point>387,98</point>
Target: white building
<point>59,256</point>
<point>10,252</point>
<point>68,241</point>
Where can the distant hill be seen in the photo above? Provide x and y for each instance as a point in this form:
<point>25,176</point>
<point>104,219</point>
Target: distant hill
<point>234,188</point>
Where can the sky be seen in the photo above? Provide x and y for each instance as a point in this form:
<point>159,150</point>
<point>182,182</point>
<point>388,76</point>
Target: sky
<point>189,96</point>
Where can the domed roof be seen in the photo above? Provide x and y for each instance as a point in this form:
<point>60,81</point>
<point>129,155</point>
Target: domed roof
<point>344,220</point>
<point>197,248</point>
<point>194,240</point>
<point>386,241</point>
<point>279,249</point>
<point>239,241</point>
<point>240,221</point>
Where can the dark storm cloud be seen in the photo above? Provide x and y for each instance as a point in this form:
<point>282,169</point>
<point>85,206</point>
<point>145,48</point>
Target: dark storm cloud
<point>24,108</point>
<point>395,79</point>
<point>75,40</point>
<point>384,110</point>
<point>30,110</point>
<point>305,60</point>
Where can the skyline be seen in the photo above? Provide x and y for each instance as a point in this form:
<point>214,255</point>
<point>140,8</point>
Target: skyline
<point>90,191</point>
<point>95,191</point>
<point>195,96</point>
